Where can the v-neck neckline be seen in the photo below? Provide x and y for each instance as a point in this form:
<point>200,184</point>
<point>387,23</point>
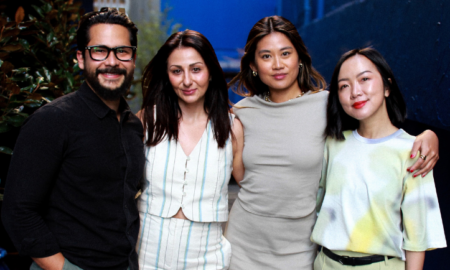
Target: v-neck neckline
<point>205,131</point>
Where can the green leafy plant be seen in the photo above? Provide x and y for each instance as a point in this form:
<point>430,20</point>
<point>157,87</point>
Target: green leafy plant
<point>152,35</point>
<point>37,60</point>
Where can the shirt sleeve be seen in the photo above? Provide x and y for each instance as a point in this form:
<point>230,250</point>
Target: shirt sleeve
<point>421,216</point>
<point>33,170</point>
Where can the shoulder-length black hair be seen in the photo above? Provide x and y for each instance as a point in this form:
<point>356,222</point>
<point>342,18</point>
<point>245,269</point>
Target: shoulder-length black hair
<point>308,78</point>
<point>338,121</point>
<point>157,90</point>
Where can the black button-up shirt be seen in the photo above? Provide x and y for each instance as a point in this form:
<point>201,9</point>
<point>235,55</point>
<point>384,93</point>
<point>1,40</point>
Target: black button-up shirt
<point>72,182</point>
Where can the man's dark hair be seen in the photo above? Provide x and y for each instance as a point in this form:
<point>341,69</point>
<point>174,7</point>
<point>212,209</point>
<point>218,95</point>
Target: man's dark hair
<point>338,120</point>
<point>107,16</point>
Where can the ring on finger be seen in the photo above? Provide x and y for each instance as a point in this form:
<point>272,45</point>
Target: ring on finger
<point>423,157</point>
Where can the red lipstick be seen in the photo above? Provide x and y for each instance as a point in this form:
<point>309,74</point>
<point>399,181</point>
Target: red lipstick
<point>359,104</point>
<point>279,76</point>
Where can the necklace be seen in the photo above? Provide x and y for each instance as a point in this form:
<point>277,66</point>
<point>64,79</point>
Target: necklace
<point>267,98</point>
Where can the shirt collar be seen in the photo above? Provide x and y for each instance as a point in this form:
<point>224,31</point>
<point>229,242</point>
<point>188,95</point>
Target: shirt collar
<point>97,106</point>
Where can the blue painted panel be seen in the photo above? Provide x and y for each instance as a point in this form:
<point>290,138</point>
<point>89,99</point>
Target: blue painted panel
<point>412,35</point>
<point>225,23</point>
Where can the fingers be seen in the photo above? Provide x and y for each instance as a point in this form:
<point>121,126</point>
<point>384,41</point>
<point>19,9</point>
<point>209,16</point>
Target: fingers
<point>423,167</point>
<point>416,146</point>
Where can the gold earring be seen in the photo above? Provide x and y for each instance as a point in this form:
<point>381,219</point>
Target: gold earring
<point>254,73</point>
<point>301,65</point>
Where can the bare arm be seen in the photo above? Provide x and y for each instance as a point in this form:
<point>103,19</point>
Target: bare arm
<point>54,262</point>
<point>428,145</point>
<point>414,260</point>
<point>238,146</point>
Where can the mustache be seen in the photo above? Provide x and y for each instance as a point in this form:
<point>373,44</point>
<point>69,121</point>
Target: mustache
<point>113,70</point>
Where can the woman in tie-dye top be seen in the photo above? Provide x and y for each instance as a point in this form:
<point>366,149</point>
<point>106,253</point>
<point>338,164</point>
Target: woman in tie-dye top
<point>373,214</point>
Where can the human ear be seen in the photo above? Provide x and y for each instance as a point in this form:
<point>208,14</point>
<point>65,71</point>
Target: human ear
<point>253,67</point>
<point>387,91</point>
<point>80,59</point>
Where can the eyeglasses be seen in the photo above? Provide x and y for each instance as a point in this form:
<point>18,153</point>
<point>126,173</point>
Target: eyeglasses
<point>100,53</point>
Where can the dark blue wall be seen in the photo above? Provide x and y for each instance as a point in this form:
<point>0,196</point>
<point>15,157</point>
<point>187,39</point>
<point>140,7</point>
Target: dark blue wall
<point>414,37</point>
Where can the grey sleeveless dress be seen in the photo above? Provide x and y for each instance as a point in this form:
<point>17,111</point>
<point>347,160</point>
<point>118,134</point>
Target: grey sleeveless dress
<point>271,221</point>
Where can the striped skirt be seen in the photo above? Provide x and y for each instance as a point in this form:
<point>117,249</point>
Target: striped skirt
<point>171,243</point>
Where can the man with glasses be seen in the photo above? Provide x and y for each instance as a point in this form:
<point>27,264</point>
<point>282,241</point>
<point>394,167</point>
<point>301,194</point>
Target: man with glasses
<point>78,161</point>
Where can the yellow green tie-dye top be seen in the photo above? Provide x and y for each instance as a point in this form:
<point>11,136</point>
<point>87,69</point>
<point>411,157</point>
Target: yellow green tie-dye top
<point>369,203</point>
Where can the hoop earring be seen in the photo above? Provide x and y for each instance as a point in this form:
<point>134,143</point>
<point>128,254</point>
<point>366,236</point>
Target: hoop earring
<point>254,73</point>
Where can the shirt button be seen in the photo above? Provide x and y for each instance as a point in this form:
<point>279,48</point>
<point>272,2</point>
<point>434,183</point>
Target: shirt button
<point>184,193</point>
<point>188,158</point>
<point>187,171</point>
<point>185,183</point>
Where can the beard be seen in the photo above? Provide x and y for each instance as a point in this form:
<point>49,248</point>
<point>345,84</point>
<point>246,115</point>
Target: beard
<point>107,93</point>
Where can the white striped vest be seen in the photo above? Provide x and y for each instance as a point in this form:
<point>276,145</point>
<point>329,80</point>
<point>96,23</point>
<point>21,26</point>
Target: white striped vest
<point>197,183</point>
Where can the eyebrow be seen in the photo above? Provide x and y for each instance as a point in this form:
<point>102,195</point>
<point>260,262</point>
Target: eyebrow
<point>189,64</point>
<point>282,49</point>
<point>359,74</point>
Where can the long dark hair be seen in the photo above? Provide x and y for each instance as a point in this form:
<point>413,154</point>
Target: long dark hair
<point>157,90</point>
<point>308,78</point>
<point>338,121</point>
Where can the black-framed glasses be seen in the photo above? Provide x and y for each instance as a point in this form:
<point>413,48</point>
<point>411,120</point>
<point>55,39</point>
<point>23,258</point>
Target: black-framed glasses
<point>100,52</point>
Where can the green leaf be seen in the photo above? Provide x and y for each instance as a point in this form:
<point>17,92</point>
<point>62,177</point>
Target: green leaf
<point>27,23</point>
<point>11,48</point>
<point>47,74</point>
<point>24,44</point>
<point>39,79</point>
<point>48,98</point>
<point>33,104</point>
<point>38,73</point>
<point>16,120</point>
<point>4,127</point>
<point>70,80</point>
<point>23,114</point>
<point>10,24</point>
<point>53,43</point>
<point>27,88</point>
<point>50,36</point>
<point>38,10</point>
<point>6,150</point>
<point>5,40</point>
<point>11,32</point>
<point>47,7</point>
<point>19,77</point>
<point>21,70</point>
